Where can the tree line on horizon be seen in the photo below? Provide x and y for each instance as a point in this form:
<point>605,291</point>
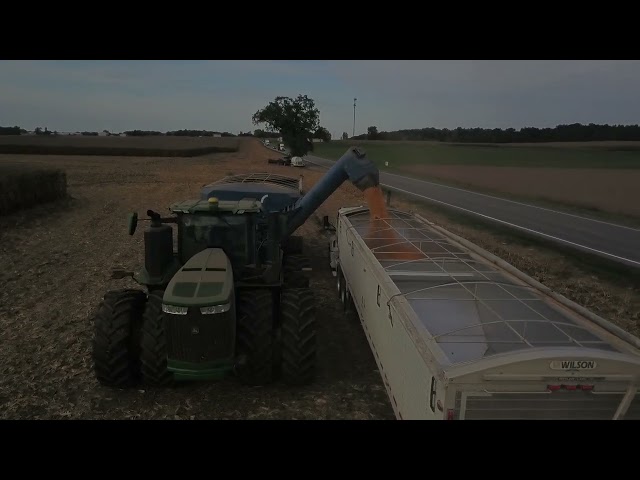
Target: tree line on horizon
<point>177,133</point>
<point>575,132</point>
<point>151,133</point>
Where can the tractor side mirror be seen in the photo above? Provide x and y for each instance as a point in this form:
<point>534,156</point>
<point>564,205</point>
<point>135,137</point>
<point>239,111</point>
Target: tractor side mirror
<point>133,222</point>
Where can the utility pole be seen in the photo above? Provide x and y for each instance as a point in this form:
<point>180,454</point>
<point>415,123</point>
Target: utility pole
<point>354,117</point>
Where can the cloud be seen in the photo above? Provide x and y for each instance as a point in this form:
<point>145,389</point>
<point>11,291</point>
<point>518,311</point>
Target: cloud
<point>223,95</point>
<point>133,94</point>
<point>413,94</point>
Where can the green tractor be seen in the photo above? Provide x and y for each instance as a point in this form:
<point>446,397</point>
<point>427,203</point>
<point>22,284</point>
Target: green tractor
<point>234,298</point>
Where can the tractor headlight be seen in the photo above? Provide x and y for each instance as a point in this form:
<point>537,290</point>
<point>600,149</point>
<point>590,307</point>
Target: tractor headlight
<point>173,310</point>
<point>215,309</point>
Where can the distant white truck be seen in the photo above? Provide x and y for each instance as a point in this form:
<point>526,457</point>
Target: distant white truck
<point>281,147</point>
<point>297,162</point>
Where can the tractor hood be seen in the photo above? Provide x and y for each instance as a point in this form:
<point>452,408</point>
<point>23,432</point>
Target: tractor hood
<point>206,279</point>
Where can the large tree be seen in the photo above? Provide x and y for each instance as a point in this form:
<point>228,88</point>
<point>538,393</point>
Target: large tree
<point>323,134</point>
<point>295,119</point>
<point>372,133</point>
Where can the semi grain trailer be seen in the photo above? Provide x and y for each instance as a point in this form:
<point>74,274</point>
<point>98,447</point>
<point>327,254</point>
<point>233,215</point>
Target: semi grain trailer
<point>459,334</point>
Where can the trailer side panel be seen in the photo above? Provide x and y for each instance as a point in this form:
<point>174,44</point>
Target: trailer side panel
<point>412,386</point>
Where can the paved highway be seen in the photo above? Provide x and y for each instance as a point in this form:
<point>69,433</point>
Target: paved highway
<point>615,242</point>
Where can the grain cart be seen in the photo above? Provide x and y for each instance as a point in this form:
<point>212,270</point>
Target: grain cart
<point>285,160</point>
<point>234,297</point>
<point>458,333</point>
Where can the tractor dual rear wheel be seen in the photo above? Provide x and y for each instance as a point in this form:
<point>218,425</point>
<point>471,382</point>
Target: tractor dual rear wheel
<point>255,336</point>
<point>116,341</point>
<point>294,245</point>
<point>297,336</point>
<point>295,268</point>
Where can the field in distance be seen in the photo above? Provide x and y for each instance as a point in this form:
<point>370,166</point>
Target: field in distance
<point>558,155</point>
<point>160,146</point>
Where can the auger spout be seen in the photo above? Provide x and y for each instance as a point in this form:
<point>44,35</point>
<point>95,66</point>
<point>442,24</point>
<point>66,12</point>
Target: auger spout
<point>354,166</point>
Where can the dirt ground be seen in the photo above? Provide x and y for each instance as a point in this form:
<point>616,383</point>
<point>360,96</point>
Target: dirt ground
<point>584,187</point>
<point>56,263</point>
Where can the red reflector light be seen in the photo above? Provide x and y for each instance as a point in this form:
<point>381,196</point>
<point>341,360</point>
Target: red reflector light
<point>555,388</point>
<point>450,414</point>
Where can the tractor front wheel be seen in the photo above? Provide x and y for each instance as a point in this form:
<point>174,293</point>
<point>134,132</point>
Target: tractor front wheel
<point>154,343</point>
<point>298,336</point>
<point>116,338</point>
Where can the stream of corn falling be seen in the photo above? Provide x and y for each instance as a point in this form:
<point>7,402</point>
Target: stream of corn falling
<point>382,237</point>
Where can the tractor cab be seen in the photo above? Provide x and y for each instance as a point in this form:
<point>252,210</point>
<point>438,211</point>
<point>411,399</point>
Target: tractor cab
<point>244,215</point>
<point>211,223</point>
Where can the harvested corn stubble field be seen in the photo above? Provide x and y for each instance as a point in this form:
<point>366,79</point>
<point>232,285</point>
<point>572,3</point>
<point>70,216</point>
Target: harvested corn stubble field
<point>57,260</point>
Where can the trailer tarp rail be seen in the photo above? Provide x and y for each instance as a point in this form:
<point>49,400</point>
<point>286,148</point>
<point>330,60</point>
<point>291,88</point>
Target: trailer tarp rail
<point>470,308</point>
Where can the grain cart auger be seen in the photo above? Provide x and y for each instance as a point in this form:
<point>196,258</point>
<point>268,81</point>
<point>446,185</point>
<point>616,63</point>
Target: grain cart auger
<point>235,295</point>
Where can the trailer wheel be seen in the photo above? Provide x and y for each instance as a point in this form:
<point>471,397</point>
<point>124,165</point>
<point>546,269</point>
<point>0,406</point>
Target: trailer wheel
<point>349,305</point>
<point>344,294</point>
<point>294,267</point>
<point>116,352</point>
<point>340,283</point>
<point>345,298</point>
<point>154,343</point>
<point>254,336</point>
<point>298,336</point>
